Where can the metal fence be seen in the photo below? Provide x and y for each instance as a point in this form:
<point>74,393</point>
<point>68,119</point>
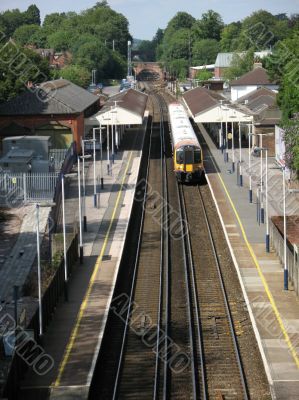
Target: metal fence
<point>277,241</point>
<point>51,297</point>
<point>18,188</point>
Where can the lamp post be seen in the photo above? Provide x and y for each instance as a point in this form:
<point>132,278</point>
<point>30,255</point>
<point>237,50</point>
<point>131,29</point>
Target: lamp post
<point>226,137</point>
<point>221,133</point>
<point>83,179</point>
<point>39,275</point>
<point>265,149</point>
<point>240,160</point>
<point>101,151</point>
<point>94,169</point>
<point>64,235</point>
<point>286,272</point>
<point>233,149</point>
<point>80,210</point>
<point>249,165</point>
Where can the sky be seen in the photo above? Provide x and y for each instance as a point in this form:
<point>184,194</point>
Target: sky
<point>146,16</point>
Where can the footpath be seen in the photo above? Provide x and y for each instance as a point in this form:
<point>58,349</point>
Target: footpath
<point>274,311</point>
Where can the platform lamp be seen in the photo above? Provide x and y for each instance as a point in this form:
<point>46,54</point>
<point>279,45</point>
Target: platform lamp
<point>80,209</point>
<point>39,275</point>
<point>63,176</point>
<point>232,117</point>
<point>108,143</point>
<point>221,141</point>
<point>285,269</point>
<point>265,149</point>
<point>116,130</point>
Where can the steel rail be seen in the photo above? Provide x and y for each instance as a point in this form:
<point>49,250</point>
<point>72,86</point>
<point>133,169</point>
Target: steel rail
<point>117,378</point>
<point>226,302</point>
<point>204,394</point>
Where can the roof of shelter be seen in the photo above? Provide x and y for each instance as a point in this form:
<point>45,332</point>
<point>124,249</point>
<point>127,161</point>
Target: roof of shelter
<point>52,97</point>
<point>132,101</point>
<point>200,99</point>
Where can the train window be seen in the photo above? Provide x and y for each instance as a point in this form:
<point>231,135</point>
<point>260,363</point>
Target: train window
<point>180,157</point>
<point>188,156</point>
<point>197,156</point>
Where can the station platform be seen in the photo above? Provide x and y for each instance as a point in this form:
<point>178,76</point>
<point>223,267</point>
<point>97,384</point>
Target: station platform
<point>274,312</point>
<point>74,336</point>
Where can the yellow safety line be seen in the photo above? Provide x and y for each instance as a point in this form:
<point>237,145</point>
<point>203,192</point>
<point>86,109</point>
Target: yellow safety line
<point>266,287</point>
<point>90,285</point>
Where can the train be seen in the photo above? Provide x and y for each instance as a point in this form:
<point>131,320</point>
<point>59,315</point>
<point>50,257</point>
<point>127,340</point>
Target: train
<point>186,150</point>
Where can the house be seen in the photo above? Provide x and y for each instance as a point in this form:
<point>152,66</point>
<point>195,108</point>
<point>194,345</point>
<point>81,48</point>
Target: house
<point>56,60</point>
<point>251,81</point>
<point>56,108</point>
<point>266,115</point>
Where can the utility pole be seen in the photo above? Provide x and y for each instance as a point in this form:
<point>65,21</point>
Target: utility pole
<point>129,58</point>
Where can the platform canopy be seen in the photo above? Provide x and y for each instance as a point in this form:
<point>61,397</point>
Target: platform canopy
<point>125,108</point>
<point>208,106</point>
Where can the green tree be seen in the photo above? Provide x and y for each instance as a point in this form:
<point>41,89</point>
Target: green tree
<point>61,40</point>
<point>241,64</point>
<point>147,50</point>
<point>32,15</point>
<point>261,30</point>
<point>210,25</point>
<point>178,46</point>
<point>205,51</point>
<point>75,73</point>
<point>53,22</point>
<point>10,20</point>
<point>18,66</point>
<point>230,37</point>
<point>204,75</point>
<point>23,35</point>
<point>178,68</point>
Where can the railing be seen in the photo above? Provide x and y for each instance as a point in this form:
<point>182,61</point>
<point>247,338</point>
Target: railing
<point>16,188</point>
<point>23,188</point>
<point>277,241</point>
<point>50,299</point>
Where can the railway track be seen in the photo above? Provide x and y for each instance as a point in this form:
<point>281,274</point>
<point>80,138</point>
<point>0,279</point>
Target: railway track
<point>170,334</point>
<point>223,370</point>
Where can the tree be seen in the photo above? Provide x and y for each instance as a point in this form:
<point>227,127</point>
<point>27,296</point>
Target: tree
<point>147,50</point>
<point>291,138</point>
<point>18,66</point>
<point>205,51</point>
<point>75,73</point>
<point>241,64</point>
<point>23,35</point>
<point>32,15</point>
<point>210,25</point>
<point>178,46</point>
<point>261,30</point>
<point>204,75</point>
<point>10,20</point>
<point>61,40</point>
<point>178,68</point>
<point>230,37</point>
<point>53,22</point>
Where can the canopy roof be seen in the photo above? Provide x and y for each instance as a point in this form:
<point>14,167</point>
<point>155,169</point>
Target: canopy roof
<point>125,108</point>
<point>207,106</point>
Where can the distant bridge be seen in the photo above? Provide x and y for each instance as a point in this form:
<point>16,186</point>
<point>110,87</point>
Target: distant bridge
<point>147,68</point>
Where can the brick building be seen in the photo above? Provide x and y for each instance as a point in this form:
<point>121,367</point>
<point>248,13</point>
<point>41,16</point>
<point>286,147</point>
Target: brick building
<point>55,108</point>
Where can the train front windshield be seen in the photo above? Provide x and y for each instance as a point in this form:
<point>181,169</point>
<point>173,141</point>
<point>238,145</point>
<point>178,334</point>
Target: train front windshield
<point>188,155</point>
